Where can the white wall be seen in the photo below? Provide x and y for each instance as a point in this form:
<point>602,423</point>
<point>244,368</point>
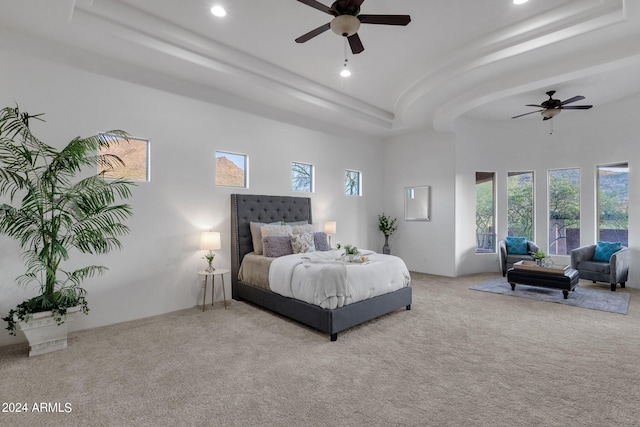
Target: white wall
<point>425,158</point>
<point>156,270</point>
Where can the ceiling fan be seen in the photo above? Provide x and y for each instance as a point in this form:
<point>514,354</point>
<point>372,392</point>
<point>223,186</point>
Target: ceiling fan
<point>552,107</point>
<point>347,20</point>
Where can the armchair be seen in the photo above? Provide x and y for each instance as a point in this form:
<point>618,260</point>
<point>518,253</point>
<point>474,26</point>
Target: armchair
<point>507,260</point>
<point>615,271</point>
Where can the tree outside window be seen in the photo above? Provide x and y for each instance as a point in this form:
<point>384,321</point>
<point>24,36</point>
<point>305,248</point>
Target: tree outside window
<point>520,210</point>
<point>613,203</point>
<point>302,177</point>
<point>485,212</point>
<point>564,211</point>
<point>352,183</point>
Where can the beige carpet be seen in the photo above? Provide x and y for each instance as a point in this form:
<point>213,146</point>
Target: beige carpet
<point>458,358</point>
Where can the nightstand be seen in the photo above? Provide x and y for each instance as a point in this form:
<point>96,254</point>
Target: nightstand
<point>217,272</point>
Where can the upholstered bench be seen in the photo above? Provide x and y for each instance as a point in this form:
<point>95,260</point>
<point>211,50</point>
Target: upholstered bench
<point>565,282</point>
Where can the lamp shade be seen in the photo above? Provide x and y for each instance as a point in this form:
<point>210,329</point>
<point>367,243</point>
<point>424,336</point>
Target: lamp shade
<point>330,227</point>
<point>345,25</point>
<point>210,240</point>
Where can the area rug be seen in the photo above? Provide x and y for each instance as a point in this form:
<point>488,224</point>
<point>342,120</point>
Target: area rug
<point>613,302</point>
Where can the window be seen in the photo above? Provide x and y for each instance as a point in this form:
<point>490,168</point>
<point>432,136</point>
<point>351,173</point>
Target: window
<point>613,203</point>
<point>564,211</point>
<point>520,204</point>
<point>352,183</point>
<point>485,212</point>
<point>231,170</point>
<point>134,156</point>
<point>302,177</point>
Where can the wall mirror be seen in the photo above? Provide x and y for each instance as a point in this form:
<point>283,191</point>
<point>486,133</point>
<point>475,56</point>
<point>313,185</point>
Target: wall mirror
<point>416,203</point>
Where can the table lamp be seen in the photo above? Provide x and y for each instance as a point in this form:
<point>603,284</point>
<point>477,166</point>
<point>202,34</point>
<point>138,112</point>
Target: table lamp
<point>210,241</point>
<point>330,228</point>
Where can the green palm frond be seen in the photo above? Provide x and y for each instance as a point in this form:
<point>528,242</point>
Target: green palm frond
<point>52,211</point>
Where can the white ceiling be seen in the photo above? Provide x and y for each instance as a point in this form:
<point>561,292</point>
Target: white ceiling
<point>481,59</point>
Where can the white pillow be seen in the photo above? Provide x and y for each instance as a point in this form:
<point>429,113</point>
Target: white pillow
<point>301,243</point>
<point>301,229</point>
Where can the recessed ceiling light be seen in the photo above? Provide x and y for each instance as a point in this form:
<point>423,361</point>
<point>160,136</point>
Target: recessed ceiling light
<point>345,73</point>
<point>520,1</point>
<point>218,11</point>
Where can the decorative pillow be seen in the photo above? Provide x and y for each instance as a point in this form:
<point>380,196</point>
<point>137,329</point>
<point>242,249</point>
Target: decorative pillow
<point>275,230</point>
<point>604,250</point>
<point>301,243</point>
<point>301,229</point>
<point>320,241</point>
<point>256,234</point>
<point>296,223</point>
<point>276,246</point>
<point>516,245</point>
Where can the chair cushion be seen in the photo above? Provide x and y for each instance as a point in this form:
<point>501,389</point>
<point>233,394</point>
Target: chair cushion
<point>604,250</point>
<point>516,245</point>
<point>594,267</point>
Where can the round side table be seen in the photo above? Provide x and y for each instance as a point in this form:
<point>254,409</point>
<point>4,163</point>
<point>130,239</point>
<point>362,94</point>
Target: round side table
<point>217,272</point>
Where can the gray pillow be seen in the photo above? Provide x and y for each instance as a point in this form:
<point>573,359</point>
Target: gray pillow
<point>276,245</point>
<point>321,241</point>
<point>256,235</point>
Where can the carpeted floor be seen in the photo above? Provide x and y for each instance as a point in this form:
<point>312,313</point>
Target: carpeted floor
<point>594,299</point>
<point>458,358</point>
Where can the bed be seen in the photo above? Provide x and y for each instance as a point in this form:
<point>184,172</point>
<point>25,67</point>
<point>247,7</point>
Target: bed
<point>266,209</point>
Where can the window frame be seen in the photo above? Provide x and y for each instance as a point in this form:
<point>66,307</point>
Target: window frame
<point>533,203</point>
<point>598,232</point>
<point>311,174</point>
<point>346,182</point>
<point>120,140</point>
<point>552,238</point>
<point>245,170</point>
<point>490,235</point>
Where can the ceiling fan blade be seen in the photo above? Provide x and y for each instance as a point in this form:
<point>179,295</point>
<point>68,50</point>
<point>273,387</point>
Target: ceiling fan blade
<point>358,2</point>
<point>574,99</point>
<point>576,107</point>
<point>355,43</point>
<point>534,105</point>
<point>317,5</point>
<point>385,19</point>
<point>311,34</point>
<point>530,112</point>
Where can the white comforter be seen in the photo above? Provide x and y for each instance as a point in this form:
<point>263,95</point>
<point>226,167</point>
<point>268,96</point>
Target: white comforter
<point>321,278</point>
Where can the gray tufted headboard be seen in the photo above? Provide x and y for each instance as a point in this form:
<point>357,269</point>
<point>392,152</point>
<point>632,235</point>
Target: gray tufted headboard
<point>246,208</point>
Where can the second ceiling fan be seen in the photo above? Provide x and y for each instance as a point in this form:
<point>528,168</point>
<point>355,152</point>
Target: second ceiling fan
<point>347,20</point>
<point>551,107</point>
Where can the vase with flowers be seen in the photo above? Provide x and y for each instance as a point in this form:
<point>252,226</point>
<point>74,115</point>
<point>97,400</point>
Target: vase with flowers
<point>209,257</point>
<point>350,253</point>
<point>387,226</point>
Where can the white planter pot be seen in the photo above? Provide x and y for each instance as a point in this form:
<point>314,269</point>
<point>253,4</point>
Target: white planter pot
<point>43,333</point>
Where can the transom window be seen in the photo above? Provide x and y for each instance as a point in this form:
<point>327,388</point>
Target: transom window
<point>352,183</point>
<point>231,169</point>
<point>133,154</point>
<point>302,177</point>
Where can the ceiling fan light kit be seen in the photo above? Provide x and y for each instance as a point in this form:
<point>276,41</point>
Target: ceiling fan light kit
<point>345,25</point>
<point>552,107</point>
<point>347,20</point>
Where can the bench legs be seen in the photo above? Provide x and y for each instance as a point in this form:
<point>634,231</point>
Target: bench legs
<point>565,293</point>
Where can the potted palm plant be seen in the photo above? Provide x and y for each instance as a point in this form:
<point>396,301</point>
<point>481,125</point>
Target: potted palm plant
<point>54,209</point>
